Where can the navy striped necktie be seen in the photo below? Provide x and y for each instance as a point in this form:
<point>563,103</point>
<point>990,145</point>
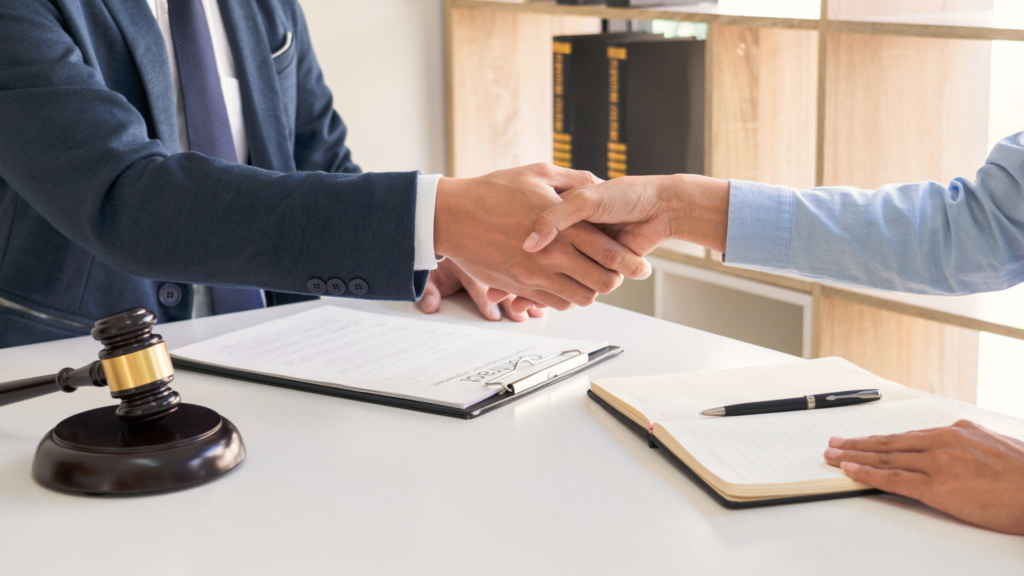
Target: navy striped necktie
<point>206,116</point>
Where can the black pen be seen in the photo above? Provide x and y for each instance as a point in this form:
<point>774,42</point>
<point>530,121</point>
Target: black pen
<point>810,402</point>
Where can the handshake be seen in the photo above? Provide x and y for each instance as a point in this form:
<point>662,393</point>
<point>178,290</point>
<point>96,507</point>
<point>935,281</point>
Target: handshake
<point>539,236</point>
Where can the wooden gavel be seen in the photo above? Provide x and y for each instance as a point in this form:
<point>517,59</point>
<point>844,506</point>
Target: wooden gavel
<point>151,443</point>
<point>134,364</point>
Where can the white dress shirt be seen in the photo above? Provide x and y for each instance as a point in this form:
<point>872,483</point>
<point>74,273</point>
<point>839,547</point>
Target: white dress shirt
<point>426,186</point>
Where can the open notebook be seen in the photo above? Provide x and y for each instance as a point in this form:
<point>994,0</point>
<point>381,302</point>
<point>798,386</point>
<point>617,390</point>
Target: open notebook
<point>766,458</point>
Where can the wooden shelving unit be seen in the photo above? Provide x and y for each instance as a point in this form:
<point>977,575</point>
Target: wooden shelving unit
<point>770,16</point>
<point>854,92</point>
<point>903,19</point>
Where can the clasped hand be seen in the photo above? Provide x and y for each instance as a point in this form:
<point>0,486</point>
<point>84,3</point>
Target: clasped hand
<point>480,223</point>
<point>642,211</point>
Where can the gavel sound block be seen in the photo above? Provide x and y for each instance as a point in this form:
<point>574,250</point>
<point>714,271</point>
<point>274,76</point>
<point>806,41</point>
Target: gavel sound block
<point>151,442</point>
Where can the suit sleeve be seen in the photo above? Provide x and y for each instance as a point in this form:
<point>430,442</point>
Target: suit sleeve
<point>80,155</point>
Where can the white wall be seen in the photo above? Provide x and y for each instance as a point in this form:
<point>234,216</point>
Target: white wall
<point>384,62</point>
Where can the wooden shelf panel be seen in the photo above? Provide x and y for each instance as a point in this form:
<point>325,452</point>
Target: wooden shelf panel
<point>677,252</point>
<point>711,14</point>
<point>761,105</point>
<point>935,357</point>
<point>965,25</point>
<point>870,121</point>
<point>995,312</point>
<point>500,70</point>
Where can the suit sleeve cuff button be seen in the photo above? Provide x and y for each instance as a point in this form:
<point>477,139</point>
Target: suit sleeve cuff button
<point>358,286</point>
<point>336,286</point>
<point>316,286</point>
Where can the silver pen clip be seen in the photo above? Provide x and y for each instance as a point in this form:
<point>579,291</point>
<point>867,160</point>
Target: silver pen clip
<point>501,380</point>
<point>866,394</point>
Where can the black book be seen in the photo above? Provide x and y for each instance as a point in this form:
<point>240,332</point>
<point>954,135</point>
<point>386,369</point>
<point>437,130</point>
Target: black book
<point>581,99</point>
<point>655,107</point>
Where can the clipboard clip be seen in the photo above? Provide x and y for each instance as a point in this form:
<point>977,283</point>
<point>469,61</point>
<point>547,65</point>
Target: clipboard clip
<point>507,383</point>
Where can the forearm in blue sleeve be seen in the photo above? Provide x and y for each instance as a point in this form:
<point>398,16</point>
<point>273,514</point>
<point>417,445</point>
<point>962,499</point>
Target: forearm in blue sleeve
<point>924,237</point>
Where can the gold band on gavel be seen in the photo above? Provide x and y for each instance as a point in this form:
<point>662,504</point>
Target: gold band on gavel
<point>138,368</point>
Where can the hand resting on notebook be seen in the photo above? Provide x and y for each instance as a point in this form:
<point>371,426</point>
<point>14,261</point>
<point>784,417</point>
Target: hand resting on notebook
<point>964,470</point>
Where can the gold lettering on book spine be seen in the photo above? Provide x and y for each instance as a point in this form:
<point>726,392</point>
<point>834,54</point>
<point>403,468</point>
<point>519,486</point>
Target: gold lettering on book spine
<point>613,100</point>
<point>562,142</point>
<point>617,161</point>
<point>562,150</point>
<point>559,92</point>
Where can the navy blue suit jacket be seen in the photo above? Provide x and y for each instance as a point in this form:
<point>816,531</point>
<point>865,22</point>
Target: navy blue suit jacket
<point>98,208</point>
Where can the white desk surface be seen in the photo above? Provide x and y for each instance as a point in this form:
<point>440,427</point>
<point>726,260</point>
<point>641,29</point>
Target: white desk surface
<point>551,484</point>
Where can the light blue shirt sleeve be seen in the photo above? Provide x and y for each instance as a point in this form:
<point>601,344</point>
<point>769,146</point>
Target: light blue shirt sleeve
<point>925,237</point>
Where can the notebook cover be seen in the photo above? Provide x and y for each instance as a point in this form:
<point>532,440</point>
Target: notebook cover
<point>492,403</point>
<point>654,443</point>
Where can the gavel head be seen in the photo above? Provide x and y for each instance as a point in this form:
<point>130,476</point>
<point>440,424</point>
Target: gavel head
<point>136,365</point>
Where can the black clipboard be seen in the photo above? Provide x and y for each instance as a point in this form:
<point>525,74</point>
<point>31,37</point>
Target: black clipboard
<point>480,408</point>
<point>714,494</point>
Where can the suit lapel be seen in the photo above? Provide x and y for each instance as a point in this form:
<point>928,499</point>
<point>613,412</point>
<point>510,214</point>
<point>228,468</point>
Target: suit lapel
<point>265,123</point>
<point>146,44</point>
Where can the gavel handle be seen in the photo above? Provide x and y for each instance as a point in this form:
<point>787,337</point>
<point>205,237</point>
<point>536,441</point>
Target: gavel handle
<point>11,392</point>
<point>67,380</point>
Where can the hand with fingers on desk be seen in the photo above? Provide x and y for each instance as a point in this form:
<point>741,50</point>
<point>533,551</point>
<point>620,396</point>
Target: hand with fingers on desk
<point>964,470</point>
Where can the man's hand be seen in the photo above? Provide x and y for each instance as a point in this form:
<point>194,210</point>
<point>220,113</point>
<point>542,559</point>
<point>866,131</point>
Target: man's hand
<point>449,279</point>
<point>480,223</point>
<point>642,211</point>
<point>964,470</point>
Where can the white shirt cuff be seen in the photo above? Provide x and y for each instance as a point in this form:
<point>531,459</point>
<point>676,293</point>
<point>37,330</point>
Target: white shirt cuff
<point>426,194</point>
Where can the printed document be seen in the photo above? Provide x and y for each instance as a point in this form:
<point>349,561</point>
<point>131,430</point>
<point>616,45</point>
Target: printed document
<point>408,358</point>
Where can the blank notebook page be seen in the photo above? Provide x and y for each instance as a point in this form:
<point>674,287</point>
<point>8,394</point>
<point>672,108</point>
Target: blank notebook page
<point>788,447</point>
<point>777,448</point>
<point>683,396</point>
